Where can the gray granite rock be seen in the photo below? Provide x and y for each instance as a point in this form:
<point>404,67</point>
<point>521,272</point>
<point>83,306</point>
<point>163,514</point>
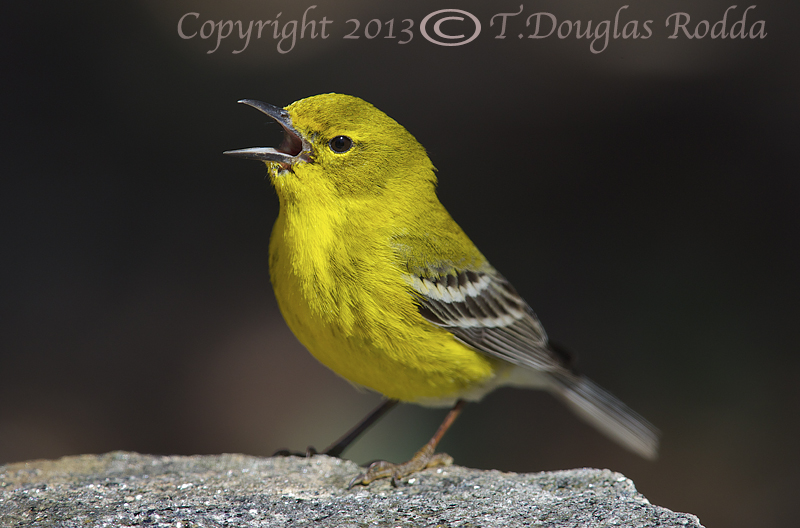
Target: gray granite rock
<point>127,489</point>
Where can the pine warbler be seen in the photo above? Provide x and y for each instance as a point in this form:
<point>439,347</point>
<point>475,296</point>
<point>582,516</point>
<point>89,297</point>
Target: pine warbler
<point>381,285</point>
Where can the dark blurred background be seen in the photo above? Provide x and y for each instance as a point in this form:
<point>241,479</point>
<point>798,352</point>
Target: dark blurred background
<point>643,199</point>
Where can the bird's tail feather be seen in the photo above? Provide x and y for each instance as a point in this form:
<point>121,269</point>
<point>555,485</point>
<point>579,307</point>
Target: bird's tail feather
<point>607,413</point>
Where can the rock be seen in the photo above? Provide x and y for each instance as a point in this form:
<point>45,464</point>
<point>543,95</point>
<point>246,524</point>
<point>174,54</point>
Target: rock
<point>127,489</point>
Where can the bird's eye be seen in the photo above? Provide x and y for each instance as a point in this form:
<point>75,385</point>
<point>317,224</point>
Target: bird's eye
<point>340,144</point>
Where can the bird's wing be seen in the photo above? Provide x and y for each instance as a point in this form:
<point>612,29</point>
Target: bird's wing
<point>483,310</point>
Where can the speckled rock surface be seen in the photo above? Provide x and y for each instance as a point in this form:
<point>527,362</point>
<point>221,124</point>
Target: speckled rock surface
<point>127,489</point>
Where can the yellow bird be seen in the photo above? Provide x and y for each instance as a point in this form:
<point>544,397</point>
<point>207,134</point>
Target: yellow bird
<point>382,286</point>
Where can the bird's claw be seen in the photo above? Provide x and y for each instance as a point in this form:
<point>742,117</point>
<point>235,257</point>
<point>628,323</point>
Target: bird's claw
<point>310,451</point>
<point>424,459</point>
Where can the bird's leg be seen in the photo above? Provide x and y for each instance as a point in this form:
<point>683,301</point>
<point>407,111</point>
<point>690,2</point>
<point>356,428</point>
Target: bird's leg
<point>423,459</point>
<point>338,447</point>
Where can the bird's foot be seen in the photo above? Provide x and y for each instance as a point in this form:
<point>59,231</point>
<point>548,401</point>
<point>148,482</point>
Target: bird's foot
<point>310,451</point>
<point>423,459</point>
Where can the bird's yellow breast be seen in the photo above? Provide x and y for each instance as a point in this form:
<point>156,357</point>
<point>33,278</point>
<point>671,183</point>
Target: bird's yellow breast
<point>342,293</point>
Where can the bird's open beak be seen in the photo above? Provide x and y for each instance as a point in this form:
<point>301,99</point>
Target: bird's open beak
<point>292,149</point>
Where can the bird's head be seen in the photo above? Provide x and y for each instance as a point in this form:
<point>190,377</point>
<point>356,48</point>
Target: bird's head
<point>340,147</point>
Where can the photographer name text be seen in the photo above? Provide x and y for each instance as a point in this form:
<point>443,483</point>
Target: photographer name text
<point>456,27</point>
